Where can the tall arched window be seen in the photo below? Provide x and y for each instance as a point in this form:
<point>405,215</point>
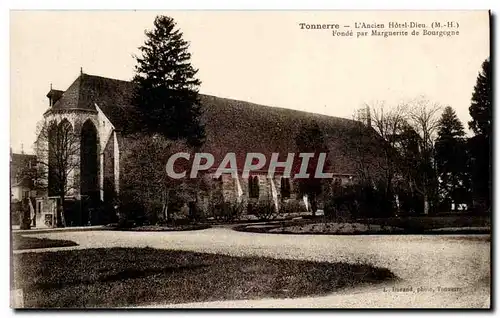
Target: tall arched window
<point>88,160</point>
<point>253,186</point>
<point>285,188</point>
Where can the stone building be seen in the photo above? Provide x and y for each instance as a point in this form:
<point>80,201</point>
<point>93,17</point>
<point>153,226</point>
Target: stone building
<point>22,186</point>
<point>22,170</point>
<point>97,109</point>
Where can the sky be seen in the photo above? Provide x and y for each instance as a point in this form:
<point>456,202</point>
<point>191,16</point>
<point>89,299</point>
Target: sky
<point>257,56</point>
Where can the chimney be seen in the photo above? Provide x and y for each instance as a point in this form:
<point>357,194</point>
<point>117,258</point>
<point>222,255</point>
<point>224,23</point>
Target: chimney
<point>368,117</point>
<point>363,116</point>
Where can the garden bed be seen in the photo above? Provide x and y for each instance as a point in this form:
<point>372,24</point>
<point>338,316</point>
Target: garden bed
<point>119,277</point>
<point>405,225</point>
<point>336,228</point>
<point>20,242</point>
<point>160,228</point>
<point>320,228</point>
<point>449,224</point>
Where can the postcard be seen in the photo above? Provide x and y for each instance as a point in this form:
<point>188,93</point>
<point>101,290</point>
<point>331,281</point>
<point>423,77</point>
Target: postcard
<point>250,159</point>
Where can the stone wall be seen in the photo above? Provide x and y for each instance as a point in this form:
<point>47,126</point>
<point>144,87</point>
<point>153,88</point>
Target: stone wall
<point>108,171</point>
<point>237,190</point>
<point>76,118</point>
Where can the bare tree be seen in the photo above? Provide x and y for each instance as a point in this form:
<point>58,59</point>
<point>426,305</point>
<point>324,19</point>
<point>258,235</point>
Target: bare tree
<point>424,119</point>
<point>57,148</point>
<point>359,143</point>
<point>389,124</point>
<point>409,131</point>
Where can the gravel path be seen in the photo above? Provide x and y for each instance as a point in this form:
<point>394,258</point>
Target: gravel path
<point>460,263</point>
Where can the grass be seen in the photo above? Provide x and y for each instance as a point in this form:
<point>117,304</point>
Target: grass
<point>137,276</point>
<point>20,242</point>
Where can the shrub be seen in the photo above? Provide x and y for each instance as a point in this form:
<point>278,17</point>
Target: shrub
<point>226,210</point>
<point>358,200</point>
<point>264,209</point>
<point>291,206</point>
<point>341,206</point>
<point>16,213</point>
<point>409,203</point>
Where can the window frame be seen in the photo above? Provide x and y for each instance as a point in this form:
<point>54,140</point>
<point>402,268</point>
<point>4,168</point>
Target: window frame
<point>253,187</point>
<point>285,188</point>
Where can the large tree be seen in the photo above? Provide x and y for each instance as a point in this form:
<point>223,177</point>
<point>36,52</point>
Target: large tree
<point>424,121</point>
<point>167,87</point>
<point>408,131</point>
<point>411,131</point>
<point>481,108</point>
<point>389,124</point>
<point>451,157</point>
<point>146,186</point>
<point>311,139</point>
<point>480,144</point>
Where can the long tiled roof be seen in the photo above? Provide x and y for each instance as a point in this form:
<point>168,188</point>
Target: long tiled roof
<point>233,125</point>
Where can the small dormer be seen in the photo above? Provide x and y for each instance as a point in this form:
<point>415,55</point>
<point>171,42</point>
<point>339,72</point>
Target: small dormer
<point>54,95</point>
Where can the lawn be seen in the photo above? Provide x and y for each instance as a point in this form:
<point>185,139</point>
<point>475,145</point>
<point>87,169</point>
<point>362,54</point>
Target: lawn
<point>138,276</point>
<point>20,242</point>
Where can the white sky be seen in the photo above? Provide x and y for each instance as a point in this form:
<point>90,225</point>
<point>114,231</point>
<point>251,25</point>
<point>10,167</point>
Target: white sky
<point>261,57</point>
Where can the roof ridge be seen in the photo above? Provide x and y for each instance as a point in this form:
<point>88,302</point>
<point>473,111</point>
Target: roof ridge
<point>278,107</point>
<point>108,78</point>
<point>82,76</point>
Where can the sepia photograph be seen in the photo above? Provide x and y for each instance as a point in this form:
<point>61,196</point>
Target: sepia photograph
<point>250,159</point>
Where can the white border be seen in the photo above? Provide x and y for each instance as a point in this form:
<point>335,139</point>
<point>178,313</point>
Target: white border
<point>176,5</point>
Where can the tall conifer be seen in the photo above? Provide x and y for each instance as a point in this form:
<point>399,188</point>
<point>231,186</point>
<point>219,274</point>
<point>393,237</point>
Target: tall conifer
<point>167,87</point>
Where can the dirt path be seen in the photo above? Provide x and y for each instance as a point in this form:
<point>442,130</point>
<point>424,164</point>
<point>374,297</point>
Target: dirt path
<point>434,271</point>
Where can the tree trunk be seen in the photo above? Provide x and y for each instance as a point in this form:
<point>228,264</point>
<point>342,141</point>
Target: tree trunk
<point>426,204</point>
<point>25,215</point>
<point>314,205</point>
<point>60,213</point>
<point>165,205</point>
<point>390,195</point>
